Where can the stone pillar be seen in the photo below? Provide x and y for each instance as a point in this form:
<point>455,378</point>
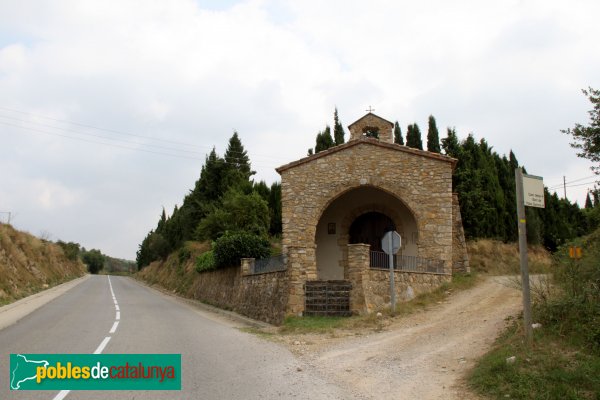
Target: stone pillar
<point>460,256</point>
<point>302,267</point>
<point>247,266</point>
<point>359,262</point>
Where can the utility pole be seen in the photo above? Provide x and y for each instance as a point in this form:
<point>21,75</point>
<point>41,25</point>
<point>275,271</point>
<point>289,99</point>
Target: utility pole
<point>565,186</point>
<point>523,256</point>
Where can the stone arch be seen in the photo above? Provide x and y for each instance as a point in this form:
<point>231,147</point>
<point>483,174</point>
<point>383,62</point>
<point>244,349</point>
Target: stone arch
<point>331,235</point>
<point>345,187</point>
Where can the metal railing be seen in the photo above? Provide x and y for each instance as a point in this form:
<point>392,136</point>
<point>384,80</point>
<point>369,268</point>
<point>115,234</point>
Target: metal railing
<point>271,264</point>
<point>379,259</point>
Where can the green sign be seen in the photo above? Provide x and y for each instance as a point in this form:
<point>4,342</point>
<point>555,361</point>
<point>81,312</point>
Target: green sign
<point>95,371</point>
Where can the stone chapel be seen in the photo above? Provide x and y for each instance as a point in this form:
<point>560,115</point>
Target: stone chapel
<point>337,205</point>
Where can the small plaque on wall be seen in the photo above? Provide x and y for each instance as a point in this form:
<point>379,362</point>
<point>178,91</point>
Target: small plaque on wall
<point>331,228</point>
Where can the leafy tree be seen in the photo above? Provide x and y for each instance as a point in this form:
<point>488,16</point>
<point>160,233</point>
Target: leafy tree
<point>413,137</point>
<point>338,129</point>
<point>70,249</point>
<point>586,139</point>
<point>230,248</point>
<point>238,212</point>
<point>433,137</point>
<point>158,246</point>
<point>94,260</point>
<point>398,134</point>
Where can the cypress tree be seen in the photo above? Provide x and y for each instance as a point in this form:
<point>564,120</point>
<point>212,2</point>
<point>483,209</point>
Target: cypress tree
<point>275,209</point>
<point>398,134</point>
<point>588,201</point>
<point>433,137</point>
<point>324,140</point>
<point>450,144</point>
<point>338,129</point>
<point>237,158</point>
<point>413,137</point>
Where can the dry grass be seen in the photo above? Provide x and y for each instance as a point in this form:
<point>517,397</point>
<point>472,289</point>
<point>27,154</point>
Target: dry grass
<point>497,258</point>
<point>175,274</point>
<point>29,264</point>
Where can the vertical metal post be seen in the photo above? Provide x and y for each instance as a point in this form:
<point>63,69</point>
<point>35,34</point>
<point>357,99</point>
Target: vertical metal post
<point>391,260</point>
<point>522,225</point>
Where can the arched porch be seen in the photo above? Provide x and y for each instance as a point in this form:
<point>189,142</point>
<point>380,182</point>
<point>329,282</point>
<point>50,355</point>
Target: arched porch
<point>361,215</point>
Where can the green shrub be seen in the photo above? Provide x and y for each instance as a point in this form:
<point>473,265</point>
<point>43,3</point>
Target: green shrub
<point>238,212</point>
<point>230,248</point>
<point>574,313</point>
<point>205,261</point>
<point>184,254</point>
<point>70,249</point>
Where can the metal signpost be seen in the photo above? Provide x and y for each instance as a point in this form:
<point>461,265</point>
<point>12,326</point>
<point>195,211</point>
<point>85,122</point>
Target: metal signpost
<point>390,244</point>
<point>530,192</point>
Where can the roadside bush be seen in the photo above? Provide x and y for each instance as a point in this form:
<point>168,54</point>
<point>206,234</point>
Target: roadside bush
<point>230,248</point>
<point>183,254</point>
<point>70,249</point>
<point>575,312</point>
<point>94,260</point>
<point>239,212</point>
<point>205,261</point>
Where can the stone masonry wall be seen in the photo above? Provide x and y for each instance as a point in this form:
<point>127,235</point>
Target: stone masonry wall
<point>261,296</point>
<point>370,120</point>
<point>460,255</point>
<point>421,180</point>
<point>407,285</point>
<point>371,287</point>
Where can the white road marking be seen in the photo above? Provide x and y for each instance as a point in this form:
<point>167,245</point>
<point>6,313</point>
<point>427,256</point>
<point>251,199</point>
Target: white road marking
<point>63,393</point>
<point>114,327</point>
<point>102,345</point>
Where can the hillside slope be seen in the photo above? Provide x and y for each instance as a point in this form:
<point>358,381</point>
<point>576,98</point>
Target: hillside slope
<point>29,264</point>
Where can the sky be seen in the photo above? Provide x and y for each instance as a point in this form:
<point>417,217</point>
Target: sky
<point>108,108</point>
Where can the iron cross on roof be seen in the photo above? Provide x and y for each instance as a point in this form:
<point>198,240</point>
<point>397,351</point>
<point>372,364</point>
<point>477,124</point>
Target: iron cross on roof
<point>370,109</point>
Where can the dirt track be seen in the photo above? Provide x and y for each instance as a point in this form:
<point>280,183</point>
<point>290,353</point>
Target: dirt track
<point>422,356</point>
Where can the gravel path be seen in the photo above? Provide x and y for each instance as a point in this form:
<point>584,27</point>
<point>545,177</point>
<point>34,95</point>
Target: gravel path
<point>424,355</point>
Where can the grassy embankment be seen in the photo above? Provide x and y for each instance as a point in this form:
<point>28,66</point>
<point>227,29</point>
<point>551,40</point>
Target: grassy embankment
<point>564,361</point>
<point>178,272</point>
<point>29,265</point>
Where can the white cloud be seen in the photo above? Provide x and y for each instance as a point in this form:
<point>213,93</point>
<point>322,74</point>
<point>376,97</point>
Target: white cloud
<point>192,72</point>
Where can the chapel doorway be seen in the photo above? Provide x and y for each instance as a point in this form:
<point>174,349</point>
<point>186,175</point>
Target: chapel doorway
<point>369,228</point>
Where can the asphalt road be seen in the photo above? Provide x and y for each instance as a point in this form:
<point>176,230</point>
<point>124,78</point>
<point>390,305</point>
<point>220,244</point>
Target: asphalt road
<point>218,360</point>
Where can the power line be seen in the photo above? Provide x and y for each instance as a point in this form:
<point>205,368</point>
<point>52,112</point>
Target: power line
<point>93,135</point>
<point>583,184</point>
<point>573,181</point>
<point>115,132</point>
<point>93,127</point>
<point>40,131</point>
